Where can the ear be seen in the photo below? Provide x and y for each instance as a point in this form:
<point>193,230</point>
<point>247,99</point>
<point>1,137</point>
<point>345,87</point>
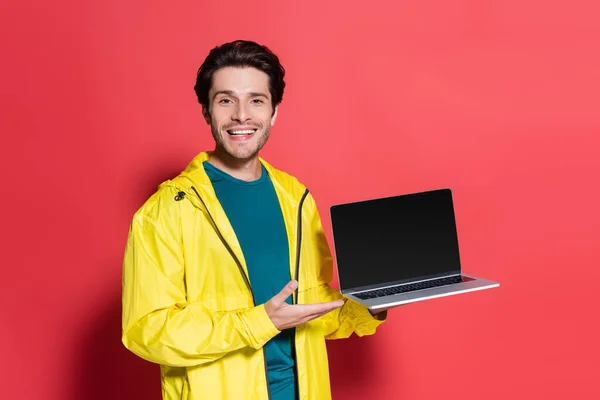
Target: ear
<point>206,114</point>
<point>274,117</point>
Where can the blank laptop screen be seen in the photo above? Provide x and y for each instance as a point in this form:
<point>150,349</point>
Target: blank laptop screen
<point>395,239</point>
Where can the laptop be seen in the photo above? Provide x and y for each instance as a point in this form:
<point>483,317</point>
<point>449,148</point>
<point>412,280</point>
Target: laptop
<point>400,249</point>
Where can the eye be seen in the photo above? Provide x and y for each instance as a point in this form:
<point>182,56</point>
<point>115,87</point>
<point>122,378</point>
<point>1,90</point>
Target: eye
<point>257,101</point>
<point>225,101</point>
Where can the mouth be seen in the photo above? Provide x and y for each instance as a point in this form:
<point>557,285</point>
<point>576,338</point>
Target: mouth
<point>241,132</point>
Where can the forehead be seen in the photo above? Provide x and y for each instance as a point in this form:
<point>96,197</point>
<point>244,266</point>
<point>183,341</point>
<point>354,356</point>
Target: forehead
<point>240,80</point>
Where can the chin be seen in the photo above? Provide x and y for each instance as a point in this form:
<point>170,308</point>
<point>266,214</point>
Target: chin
<point>241,155</point>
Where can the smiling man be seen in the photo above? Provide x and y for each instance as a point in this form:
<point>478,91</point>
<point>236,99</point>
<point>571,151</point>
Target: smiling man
<point>226,271</point>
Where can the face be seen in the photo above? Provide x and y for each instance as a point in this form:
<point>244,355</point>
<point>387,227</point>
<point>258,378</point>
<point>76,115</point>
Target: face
<point>240,113</point>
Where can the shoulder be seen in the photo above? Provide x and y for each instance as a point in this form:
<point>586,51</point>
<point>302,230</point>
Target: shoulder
<point>164,205</point>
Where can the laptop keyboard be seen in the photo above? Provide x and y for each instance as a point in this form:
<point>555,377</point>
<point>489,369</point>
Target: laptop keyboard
<point>371,294</point>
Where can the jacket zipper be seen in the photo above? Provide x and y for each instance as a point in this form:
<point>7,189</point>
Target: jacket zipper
<point>299,241</point>
<point>239,264</point>
<point>297,277</point>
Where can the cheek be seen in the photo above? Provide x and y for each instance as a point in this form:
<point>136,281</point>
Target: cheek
<point>266,116</point>
<point>218,119</point>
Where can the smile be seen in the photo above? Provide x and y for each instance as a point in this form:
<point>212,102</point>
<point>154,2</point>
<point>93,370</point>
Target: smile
<point>241,132</point>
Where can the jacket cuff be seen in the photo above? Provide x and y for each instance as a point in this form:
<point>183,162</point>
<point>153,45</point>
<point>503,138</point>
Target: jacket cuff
<point>261,328</point>
<point>368,323</point>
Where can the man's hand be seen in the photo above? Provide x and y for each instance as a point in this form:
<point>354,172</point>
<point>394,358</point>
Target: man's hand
<point>379,314</point>
<point>285,315</point>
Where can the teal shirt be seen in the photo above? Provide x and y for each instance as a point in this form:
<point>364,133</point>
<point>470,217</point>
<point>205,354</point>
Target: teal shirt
<point>255,215</point>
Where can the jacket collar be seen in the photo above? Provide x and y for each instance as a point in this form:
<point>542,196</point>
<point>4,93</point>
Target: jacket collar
<point>289,192</point>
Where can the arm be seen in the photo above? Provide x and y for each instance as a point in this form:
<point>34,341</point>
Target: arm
<point>159,324</point>
<point>352,317</point>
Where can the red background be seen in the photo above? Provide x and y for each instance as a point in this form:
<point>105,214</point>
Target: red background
<point>496,99</point>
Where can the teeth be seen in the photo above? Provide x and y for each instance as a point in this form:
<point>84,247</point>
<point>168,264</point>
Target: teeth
<point>244,132</point>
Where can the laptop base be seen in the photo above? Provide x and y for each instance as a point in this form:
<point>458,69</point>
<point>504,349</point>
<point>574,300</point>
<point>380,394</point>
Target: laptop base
<point>471,284</point>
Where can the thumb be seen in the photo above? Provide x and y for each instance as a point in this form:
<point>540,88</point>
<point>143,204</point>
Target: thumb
<point>286,292</point>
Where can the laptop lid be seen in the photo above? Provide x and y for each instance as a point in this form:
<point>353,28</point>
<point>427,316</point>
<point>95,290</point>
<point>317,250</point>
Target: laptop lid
<point>395,240</point>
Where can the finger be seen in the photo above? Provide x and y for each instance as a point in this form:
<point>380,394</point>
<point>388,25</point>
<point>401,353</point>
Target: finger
<point>317,315</point>
<point>286,292</point>
<point>316,308</point>
<point>330,307</point>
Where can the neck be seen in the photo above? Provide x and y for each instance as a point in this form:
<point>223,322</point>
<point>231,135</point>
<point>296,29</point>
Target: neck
<point>246,169</point>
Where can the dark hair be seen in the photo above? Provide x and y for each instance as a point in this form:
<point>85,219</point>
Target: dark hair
<point>241,53</point>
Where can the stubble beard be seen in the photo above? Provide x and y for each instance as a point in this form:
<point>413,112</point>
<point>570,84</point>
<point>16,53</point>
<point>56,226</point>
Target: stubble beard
<point>242,153</point>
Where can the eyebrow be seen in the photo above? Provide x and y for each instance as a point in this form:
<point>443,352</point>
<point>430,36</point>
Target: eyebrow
<point>231,93</point>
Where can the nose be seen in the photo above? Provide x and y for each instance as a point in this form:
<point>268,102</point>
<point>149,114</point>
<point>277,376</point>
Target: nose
<point>241,113</point>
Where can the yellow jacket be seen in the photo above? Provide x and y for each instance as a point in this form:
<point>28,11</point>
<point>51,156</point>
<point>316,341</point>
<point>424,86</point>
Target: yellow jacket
<point>187,302</point>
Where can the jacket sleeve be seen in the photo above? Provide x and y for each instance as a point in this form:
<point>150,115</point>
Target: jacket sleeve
<point>352,317</point>
<point>158,323</point>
